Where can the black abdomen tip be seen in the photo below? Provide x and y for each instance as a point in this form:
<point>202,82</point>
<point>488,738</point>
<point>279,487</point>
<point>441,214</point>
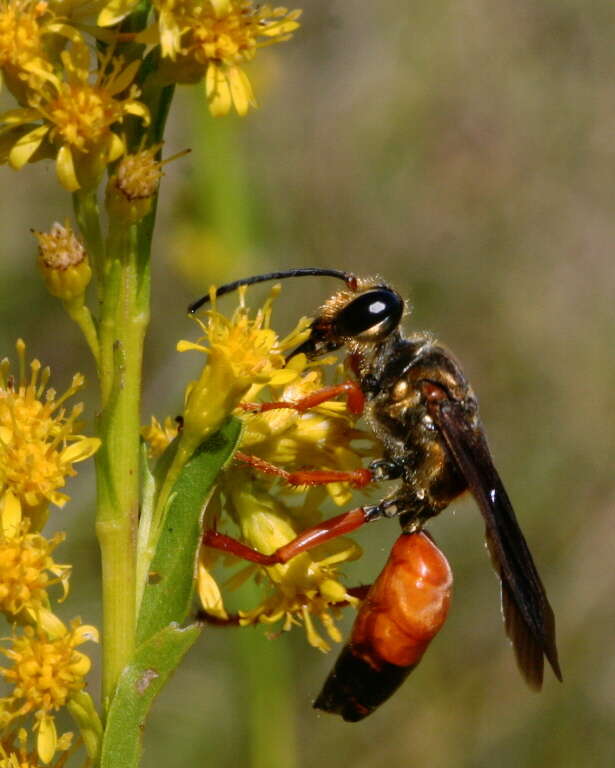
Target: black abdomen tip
<point>354,688</point>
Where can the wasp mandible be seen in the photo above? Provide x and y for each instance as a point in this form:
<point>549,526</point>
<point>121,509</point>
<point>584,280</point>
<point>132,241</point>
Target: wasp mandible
<point>419,404</point>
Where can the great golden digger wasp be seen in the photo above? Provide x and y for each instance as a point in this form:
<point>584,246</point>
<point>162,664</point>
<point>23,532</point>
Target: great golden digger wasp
<point>422,409</point>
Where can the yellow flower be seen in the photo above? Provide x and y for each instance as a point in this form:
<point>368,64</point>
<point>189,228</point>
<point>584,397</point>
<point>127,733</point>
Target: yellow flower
<point>324,437</point>
<point>72,118</point>
<point>27,570</point>
<point>243,356</point>
<point>39,442</point>
<point>46,671</point>
<point>304,589</point>
<point>214,39</point>
<point>159,436</point>
<point>25,30</point>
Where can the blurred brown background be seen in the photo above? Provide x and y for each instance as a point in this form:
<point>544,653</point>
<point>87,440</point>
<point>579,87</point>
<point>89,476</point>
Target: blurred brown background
<point>465,151</point>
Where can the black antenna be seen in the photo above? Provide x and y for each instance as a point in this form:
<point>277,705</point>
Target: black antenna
<point>347,277</point>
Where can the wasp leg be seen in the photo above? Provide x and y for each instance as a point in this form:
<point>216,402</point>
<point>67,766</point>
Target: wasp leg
<point>312,537</point>
<point>356,400</point>
<point>358,478</point>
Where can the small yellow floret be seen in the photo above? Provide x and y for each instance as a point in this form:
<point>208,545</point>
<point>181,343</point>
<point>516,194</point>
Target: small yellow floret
<point>39,442</point>
<point>72,117</point>
<point>46,670</point>
<point>244,355</point>
<point>214,39</point>
<point>27,570</point>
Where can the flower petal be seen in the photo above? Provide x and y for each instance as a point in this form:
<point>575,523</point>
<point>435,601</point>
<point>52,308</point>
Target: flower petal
<point>65,167</point>
<point>26,146</point>
<point>47,739</point>
<point>115,147</point>
<point>137,109</point>
<point>10,514</point>
<point>241,90</point>
<point>217,90</point>
<point>124,78</point>
<point>80,450</point>
<point>115,11</point>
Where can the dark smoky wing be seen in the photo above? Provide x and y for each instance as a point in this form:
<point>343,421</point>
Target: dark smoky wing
<point>528,617</point>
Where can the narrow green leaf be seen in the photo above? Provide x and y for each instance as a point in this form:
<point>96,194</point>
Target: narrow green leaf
<point>168,595</point>
<point>139,684</point>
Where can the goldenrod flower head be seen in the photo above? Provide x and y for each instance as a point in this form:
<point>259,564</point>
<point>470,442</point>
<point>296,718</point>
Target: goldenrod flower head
<point>159,436</point>
<point>324,437</point>
<point>39,442</point>
<point>305,588</point>
<point>71,117</point>
<point>27,570</point>
<point>213,39</point>
<point>23,26</point>
<point>63,262</point>
<point>46,670</point>
<point>244,355</point>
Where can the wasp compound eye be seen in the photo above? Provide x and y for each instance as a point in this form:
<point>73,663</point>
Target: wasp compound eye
<point>372,316</point>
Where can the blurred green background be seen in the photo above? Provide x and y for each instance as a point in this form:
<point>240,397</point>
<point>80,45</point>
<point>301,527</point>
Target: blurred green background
<point>466,152</point>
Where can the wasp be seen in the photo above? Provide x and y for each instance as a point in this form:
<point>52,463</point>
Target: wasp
<point>422,409</point>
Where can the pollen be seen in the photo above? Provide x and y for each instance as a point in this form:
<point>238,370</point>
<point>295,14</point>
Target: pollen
<point>39,440</point>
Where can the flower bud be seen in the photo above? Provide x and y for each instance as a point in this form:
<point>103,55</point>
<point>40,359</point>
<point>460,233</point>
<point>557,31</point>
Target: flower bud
<point>132,187</point>
<point>63,262</point>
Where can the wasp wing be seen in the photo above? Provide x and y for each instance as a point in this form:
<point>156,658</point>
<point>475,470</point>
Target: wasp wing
<point>528,617</point>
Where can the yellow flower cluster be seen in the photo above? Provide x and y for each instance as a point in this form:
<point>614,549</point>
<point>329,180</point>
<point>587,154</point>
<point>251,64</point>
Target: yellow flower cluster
<point>70,109</point>
<point>213,40</point>
<point>74,105</point>
<point>39,444</point>
<point>246,363</point>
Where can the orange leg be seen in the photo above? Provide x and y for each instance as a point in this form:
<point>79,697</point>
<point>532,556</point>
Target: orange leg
<point>328,529</point>
<point>359,478</point>
<point>356,400</point>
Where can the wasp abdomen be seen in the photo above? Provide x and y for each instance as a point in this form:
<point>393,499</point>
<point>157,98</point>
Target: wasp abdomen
<point>403,611</point>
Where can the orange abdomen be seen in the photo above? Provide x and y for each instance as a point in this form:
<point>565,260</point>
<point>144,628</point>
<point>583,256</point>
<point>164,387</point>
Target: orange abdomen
<point>407,604</point>
<point>403,611</point>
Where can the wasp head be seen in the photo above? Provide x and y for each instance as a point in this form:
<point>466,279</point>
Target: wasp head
<point>356,319</point>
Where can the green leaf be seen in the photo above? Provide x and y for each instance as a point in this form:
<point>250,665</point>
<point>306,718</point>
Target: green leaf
<point>138,686</point>
<point>168,595</point>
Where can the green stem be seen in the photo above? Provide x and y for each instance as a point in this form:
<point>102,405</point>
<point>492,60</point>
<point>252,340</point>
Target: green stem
<point>124,319</point>
<point>81,314</point>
